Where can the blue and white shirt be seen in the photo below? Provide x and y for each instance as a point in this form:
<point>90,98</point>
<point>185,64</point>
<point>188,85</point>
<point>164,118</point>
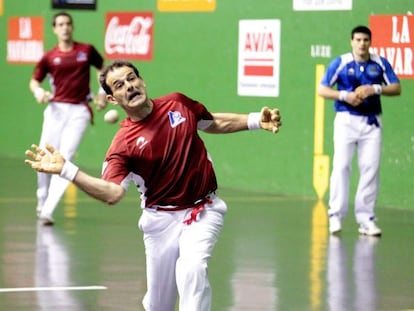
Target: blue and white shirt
<point>348,74</point>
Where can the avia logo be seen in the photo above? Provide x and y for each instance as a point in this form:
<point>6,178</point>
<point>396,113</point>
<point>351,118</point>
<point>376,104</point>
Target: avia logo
<point>141,142</point>
<point>175,118</point>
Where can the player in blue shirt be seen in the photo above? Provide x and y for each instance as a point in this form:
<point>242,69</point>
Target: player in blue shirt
<point>360,78</point>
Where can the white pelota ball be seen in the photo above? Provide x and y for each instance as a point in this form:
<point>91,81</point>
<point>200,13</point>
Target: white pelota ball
<point>111,116</point>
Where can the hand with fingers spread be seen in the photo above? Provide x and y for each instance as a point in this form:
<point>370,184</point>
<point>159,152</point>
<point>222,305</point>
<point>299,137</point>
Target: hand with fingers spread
<point>50,161</point>
<point>270,119</point>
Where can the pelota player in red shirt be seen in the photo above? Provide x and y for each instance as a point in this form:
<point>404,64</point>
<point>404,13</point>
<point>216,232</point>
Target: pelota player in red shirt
<point>159,149</point>
<point>67,114</point>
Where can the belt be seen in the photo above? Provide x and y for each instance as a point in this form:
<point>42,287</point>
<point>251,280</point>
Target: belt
<point>197,206</point>
<point>371,118</point>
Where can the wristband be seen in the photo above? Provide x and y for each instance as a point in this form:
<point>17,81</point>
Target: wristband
<point>253,121</point>
<point>343,95</point>
<point>377,88</point>
<point>69,171</point>
<point>39,93</point>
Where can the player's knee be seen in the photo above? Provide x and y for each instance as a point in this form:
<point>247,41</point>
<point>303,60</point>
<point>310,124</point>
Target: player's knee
<point>342,168</point>
<point>191,269</point>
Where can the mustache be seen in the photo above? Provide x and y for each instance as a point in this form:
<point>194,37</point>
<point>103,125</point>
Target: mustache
<point>133,94</point>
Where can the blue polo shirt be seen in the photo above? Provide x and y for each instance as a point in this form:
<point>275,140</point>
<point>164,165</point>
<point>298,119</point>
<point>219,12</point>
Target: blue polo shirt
<point>348,74</point>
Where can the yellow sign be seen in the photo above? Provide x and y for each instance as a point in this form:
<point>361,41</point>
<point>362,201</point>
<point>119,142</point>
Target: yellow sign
<point>186,5</point>
<point>1,7</point>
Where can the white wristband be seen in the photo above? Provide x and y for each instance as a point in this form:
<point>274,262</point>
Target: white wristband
<point>377,88</point>
<point>253,121</point>
<point>343,95</point>
<point>69,171</point>
<point>39,93</point>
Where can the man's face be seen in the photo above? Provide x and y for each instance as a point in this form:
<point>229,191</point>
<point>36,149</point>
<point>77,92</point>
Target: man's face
<point>63,28</point>
<point>360,44</point>
<point>128,90</point>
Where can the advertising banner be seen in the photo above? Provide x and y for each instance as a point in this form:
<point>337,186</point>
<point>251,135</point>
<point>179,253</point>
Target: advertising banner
<point>129,35</point>
<point>259,57</point>
<point>393,38</point>
<point>25,39</point>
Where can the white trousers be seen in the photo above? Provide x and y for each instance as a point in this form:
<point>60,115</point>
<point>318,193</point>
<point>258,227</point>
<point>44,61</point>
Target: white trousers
<point>177,255</point>
<point>354,133</point>
<point>63,127</point>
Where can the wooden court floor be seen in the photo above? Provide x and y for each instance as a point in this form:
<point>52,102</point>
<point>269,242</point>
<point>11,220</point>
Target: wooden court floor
<point>274,254</point>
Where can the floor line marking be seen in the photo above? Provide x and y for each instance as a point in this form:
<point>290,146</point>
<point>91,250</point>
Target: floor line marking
<point>54,288</point>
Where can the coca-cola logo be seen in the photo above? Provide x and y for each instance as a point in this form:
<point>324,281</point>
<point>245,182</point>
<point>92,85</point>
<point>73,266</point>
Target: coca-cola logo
<point>129,36</point>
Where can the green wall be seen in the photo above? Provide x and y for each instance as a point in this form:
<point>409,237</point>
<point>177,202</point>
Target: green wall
<point>196,53</point>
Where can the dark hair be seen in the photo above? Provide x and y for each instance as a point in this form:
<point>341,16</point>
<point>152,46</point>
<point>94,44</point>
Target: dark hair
<point>61,14</point>
<point>361,29</point>
<point>114,65</point>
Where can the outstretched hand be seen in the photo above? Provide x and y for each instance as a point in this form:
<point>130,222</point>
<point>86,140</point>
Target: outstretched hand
<point>270,119</point>
<point>50,161</point>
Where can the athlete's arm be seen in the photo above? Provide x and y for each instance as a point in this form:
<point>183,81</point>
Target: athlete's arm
<point>42,96</point>
<point>100,189</point>
<point>34,84</point>
<point>268,119</point>
<point>100,97</point>
<point>52,162</point>
<point>227,123</point>
<point>330,93</point>
<point>368,90</point>
<point>393,89</point>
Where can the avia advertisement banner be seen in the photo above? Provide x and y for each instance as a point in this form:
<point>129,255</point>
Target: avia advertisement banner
<point>259,58</point>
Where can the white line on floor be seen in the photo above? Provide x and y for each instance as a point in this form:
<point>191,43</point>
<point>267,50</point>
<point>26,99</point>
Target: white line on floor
<point>54,288</point>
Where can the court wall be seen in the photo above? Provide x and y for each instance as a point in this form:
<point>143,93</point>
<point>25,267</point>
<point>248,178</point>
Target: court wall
<point>197,53</point>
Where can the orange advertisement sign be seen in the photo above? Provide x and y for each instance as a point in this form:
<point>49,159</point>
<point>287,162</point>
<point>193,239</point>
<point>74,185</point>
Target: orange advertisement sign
<point>129,35</point>
<point>25,39</point>
<point>393,38</point>
<point>186,5</point>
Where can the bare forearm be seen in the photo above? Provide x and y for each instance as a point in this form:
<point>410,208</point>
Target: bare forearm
<point>97,188</point>
<point>328,93</point>
<point>391,89</point>
<point>34,84</point>
<point>228,123</point>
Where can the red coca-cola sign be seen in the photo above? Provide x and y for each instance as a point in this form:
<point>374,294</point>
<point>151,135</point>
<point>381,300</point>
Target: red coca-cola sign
<point>128,35</point>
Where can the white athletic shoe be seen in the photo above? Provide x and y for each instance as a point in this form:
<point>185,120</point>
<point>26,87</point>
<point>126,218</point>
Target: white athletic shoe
<point>46,220</point>
<point>335,225</point>
<point>369,228</point>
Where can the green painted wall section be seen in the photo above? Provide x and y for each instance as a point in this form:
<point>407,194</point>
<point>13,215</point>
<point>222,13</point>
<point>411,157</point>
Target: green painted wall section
<point>196,53</point>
